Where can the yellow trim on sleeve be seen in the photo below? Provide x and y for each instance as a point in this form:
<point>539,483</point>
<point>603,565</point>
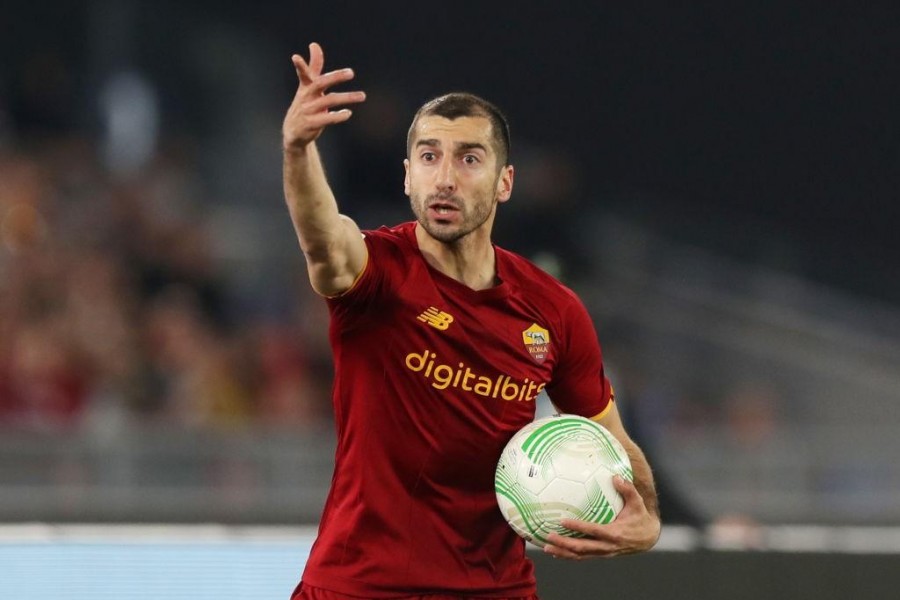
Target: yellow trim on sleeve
<point>609,405</point>
<point>355,281</point>
<point>600,415</point>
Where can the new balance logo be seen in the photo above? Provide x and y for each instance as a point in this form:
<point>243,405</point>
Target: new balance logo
<point>436,318</point>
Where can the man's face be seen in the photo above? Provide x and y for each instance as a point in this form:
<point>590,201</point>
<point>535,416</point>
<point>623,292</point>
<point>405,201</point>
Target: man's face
<point>452,177</point>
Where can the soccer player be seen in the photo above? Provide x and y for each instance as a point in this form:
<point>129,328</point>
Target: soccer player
<point>441,342</point>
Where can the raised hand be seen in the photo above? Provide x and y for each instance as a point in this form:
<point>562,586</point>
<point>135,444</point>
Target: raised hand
<point>313,107</point>
<point>635,529</point>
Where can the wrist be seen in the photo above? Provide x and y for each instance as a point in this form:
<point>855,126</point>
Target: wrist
<point>295,148</point>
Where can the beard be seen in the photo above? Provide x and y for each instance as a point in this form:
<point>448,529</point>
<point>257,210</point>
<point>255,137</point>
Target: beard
<point>471,215</point>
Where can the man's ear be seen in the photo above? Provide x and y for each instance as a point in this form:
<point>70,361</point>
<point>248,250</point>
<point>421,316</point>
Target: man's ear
<point>406,176</point>
<point>505,183</point>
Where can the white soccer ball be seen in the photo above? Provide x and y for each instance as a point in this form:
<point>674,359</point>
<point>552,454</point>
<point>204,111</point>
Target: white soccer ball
<point>559,467</point>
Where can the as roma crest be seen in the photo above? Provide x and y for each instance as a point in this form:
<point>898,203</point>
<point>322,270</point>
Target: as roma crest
<point>537,342</point>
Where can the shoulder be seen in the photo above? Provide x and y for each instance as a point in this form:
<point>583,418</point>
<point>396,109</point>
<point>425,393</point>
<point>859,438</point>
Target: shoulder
<point>391,257</point>
<point>531,280</point>
<point>546,296</point>
<point>399,236</point>
<point>392,249</point>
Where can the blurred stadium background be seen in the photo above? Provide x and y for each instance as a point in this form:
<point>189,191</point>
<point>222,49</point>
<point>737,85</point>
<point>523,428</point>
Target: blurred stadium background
<point>720,183</point>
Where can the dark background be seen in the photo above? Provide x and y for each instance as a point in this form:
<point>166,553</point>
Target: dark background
<point>766,131</point>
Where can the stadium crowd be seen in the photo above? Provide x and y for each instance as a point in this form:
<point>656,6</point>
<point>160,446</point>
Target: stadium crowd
<point>110,300</point>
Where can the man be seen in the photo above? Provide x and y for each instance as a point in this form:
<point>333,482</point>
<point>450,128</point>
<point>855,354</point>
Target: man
<point>433,373</point>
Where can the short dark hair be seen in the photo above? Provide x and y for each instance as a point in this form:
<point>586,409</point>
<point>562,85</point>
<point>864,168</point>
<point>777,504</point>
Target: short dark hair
<point>463,104</point>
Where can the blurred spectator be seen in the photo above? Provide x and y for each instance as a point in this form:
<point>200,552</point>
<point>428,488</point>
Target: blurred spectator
<point>194,364</point>
<point>751,413</point>
<point>44,388</point>
<point>111,303</point>
<point>290,392</point>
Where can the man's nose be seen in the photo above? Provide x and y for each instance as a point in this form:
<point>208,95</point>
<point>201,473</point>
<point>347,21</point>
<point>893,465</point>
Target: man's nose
<point>446,176</point>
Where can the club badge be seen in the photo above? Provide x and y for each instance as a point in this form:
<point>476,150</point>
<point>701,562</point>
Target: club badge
<point>537,342</point>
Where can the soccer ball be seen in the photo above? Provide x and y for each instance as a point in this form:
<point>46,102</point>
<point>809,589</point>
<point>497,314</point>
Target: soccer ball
<point>559,467</point>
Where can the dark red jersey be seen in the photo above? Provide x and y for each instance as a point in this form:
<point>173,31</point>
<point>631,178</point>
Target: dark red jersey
<point>432,379</point>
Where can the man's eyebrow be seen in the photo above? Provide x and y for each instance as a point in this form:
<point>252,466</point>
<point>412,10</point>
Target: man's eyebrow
<point>461,146</point>
<point>471,146</point>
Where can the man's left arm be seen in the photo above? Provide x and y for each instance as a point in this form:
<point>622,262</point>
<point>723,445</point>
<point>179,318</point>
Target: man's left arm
<point>637,526</point>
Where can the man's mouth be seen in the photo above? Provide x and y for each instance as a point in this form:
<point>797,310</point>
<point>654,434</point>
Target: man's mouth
<point>443,208</point>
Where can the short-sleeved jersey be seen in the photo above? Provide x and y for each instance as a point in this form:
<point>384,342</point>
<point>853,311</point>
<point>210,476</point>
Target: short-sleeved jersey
<point>432,379</point>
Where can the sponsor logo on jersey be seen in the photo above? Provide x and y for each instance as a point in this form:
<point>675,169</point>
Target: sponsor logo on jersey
<point>442,376</point>
<point>537,342</point>
<point>436,318</point>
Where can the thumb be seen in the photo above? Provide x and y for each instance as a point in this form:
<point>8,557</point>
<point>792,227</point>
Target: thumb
<point>626,488</point>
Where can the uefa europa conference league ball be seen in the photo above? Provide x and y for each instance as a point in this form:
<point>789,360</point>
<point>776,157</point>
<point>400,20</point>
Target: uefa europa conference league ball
<point>559,467</point>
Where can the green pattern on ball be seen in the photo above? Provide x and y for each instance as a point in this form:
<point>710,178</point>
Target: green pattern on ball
<point>536,518</point>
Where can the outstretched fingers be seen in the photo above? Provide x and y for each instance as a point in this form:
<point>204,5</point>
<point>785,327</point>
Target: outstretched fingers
<point>316,58</point>
<point>335,99</point>
<point>302,69</point>
<point>324,119</point>
<point>307,71</point>
<point>315,106</point>
<point>321,83</point>
<point>316,84</point>
<point>310,71</point>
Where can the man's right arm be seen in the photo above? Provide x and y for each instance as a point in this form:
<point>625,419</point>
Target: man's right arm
<point>334,248</point>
